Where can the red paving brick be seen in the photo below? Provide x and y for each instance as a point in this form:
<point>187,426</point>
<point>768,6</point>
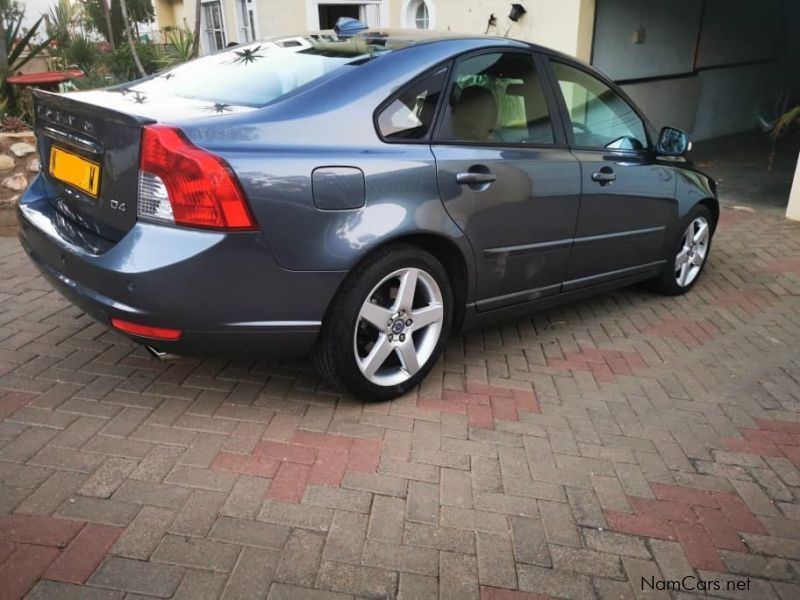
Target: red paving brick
<point>640,525</point>
<point>329,468</point>
<point>84,554</point>
<point>286,452</point>
<point>738,514</point>
<point>683,494</point>
<point>719,528</point>
<point>289,483</point>
<point>38,529</point>
<point>13,401</point>
<point>698,547</point>
<point>23,568</point>
<point>364,455</point>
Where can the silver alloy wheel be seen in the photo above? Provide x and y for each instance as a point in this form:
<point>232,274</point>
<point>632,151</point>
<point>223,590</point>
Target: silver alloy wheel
<point>692,255</point>
<point>398,326</point>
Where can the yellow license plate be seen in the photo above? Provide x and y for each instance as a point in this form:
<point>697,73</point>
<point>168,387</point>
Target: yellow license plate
<point>75,170</point>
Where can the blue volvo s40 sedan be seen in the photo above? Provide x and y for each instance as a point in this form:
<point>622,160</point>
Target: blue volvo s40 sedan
<point>356,197</point>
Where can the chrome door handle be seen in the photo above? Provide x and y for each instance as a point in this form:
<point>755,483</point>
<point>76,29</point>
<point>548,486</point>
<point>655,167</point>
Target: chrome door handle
<point>604,176</point>
<point>471,178</point>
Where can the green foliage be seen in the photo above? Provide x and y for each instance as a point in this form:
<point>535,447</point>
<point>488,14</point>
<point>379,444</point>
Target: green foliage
<point>785,121</point>
<point>179,47</point>
<point>20,48</point>
<point>62,20</point>
<point>139,11</point>
<point>94,80</point>
<point>123,68</point>
<point>16,45</point>
<point>82,52</point>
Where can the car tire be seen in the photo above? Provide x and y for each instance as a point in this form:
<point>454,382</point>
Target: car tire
<point>370,317</point>
<point>687,258</point>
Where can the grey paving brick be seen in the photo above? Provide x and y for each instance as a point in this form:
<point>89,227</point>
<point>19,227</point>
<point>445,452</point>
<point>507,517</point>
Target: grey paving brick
<point>422,505</point>
<point>138,577</point>
<point>283,591</point>
<point>107,478</point>
<point>246,498</point>
<point>249,533</point>
<point>458,576</point>
<point>197,553</point>
<point>556,583</point>
<point>252,575</point>
<point>358,580</point>
<point>152,494</point>
<point>296,515</point>
<point>143,535</point>
<point>98,510</point>
<point>397,557</point>
<point>301,557</point>
<point>346,537</point>
<point>198,513</point>
<point>530,541</point>
<point>496,560</point>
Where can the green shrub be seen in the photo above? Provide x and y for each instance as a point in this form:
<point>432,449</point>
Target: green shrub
<point>122,67</point>
<point>83,53</point>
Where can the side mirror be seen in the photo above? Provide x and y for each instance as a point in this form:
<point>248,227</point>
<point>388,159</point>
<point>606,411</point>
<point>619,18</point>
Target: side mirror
<point>673,142</point>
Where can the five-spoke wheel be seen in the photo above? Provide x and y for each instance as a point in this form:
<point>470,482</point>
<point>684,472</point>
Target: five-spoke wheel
<point>387,325</point>
<point>398,327</point>
<point>689,253</point>
<point>692,255</point>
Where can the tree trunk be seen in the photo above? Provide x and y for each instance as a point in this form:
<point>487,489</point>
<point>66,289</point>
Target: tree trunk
<point>3,49</point>
<point>107,11</point>
<point>123,5</point>
<point>196,41</point>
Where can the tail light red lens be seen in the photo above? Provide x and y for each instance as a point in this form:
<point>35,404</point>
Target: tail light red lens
<point>201,189</point>
<point>147,331</point>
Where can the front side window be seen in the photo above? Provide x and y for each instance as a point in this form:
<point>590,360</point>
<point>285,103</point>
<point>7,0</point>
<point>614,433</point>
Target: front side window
<point>410,115</point>
<point>497,98</point>
<point>600,117</point>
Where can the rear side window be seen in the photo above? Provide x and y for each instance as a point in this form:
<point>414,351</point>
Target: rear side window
<point>262,72</point>
<point>411,114</point>
<point>497,98</point>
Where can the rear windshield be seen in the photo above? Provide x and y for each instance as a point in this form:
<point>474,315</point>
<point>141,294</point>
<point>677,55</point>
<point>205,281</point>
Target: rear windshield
<point>262,72</point>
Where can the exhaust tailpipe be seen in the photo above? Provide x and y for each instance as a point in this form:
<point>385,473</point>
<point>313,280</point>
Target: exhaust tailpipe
<point>162,356</point>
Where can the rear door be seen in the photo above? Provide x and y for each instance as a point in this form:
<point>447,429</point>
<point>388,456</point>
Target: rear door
<point>506,176</point>
<point>627,198</point>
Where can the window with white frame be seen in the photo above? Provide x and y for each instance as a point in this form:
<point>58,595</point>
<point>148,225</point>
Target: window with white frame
<point>245,14</point>
<point>418,14</point>
<point>213,26</point>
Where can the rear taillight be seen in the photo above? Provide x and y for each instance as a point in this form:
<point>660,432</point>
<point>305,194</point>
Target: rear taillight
<point>147,331</point>
<point>183,184</point>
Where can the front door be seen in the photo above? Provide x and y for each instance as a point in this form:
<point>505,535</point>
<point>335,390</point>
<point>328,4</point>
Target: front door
<point>506,177</point>
<point>627,198</point>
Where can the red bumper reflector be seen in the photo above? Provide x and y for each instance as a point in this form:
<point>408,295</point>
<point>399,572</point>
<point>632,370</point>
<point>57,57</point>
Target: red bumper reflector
<point>154,333</point>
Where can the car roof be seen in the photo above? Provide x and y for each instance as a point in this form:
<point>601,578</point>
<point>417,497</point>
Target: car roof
<point>416,37</point>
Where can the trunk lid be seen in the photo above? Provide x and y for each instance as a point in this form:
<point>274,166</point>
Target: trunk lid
<point>72,135</point>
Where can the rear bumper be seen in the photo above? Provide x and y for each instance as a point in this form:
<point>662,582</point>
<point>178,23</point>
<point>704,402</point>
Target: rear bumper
<point>223,290</point>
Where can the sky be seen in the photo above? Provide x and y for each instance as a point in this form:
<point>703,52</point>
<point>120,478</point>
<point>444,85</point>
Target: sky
<point>34,10</point>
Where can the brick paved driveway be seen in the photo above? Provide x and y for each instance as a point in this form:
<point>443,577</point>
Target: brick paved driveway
<point>566,455</point>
